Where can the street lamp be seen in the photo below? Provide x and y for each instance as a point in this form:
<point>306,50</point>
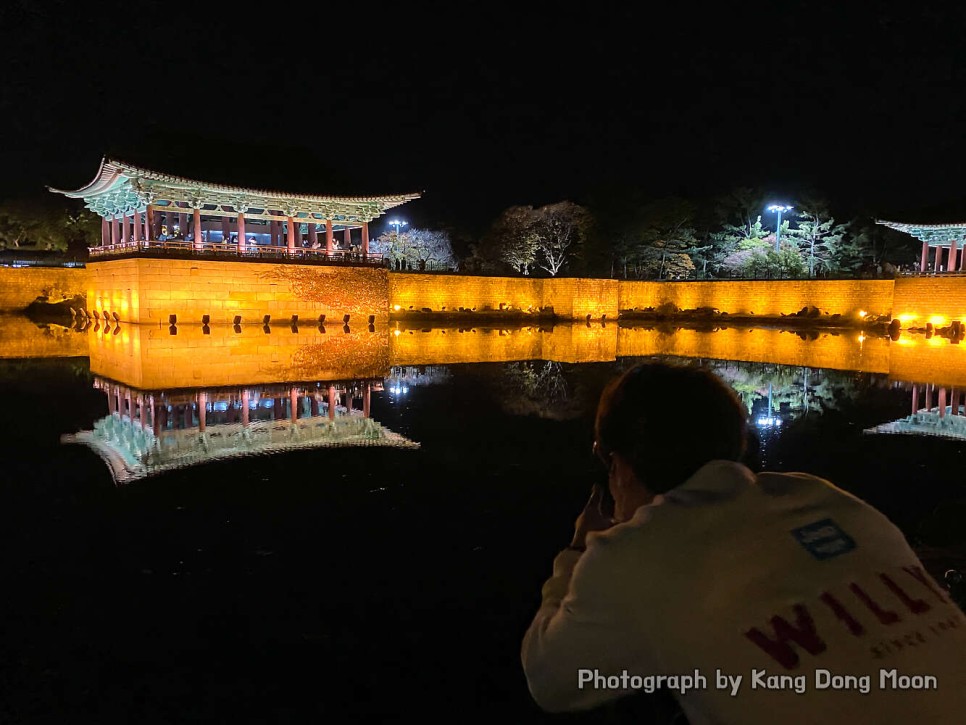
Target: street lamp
<point>397,223</point>
<point>778,233</point>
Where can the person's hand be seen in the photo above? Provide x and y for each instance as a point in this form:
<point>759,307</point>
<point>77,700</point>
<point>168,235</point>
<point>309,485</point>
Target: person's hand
<point>594,517</point>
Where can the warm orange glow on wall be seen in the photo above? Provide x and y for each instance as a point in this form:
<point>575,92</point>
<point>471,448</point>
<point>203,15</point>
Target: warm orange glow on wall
<point>774,298</point>
<point>150,290</point>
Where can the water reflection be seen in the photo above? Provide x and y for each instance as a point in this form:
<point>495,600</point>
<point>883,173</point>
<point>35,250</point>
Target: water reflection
<point>146,433</point>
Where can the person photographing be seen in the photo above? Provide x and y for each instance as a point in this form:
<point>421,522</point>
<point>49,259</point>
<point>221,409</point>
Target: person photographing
<point>781,595</point>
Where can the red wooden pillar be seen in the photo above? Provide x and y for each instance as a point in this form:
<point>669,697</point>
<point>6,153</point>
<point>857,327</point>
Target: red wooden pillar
<point>197,228</point>
<point>244,411</point>
<point>314,402</point>
<point>137,228</point>
<point>925,257</point>
<point>142,411</point>
<point>928,397</point>
<point>155,420</point>
<point>365,399</point>
<point>915,399</point>
<point>293,401</point>
<point>348,402</point>
<point>114,231</point>
<point>225,230</point>
<point>105,231</point>
<point>202,410</point>
<point>313,234</point>
<point>348,239</point>
<point>939,258</point>
<point>331,402</point>
<point>328,236</point>
<point>125,234</point>
<point>290,238</point>
<point>365,238</point>
<point>241,232</point>
<point>953,256</point>
<point>149,223</point>
<point>275,233</point>
<point>942,402</point>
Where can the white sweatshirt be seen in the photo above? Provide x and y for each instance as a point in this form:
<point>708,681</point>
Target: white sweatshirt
<point>782,580</point>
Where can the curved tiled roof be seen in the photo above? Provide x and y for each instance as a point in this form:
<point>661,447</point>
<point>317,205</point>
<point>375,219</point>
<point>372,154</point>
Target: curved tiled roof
<point>112,169</point>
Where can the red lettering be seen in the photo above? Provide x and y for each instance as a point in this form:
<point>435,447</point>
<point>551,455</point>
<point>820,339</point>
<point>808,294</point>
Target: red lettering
<point>885,616</point>
<point>855,627</point>
<point>802,633</point>
<point>920,576</point>
<point>916,606</point>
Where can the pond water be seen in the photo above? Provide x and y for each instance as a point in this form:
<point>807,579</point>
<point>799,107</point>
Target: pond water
<point>277,525</point>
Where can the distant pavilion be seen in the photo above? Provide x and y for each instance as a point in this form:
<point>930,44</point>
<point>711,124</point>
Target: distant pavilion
<point>144,210</point>
<point>939,237</point>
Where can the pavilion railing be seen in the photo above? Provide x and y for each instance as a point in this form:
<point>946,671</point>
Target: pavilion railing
<point>249,252</point>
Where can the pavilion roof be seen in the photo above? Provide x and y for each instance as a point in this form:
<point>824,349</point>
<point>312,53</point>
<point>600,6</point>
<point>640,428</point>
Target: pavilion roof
<point>120,188</point>
<point>932,233</point>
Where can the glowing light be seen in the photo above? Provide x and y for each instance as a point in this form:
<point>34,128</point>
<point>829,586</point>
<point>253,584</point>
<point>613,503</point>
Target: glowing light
<point>938,320</point>
<point>862,313</point>
<point>906,318</point>
<point>769,422</point>
<point>397,333</point>
<point>861,337</point>
<point>397,307</point>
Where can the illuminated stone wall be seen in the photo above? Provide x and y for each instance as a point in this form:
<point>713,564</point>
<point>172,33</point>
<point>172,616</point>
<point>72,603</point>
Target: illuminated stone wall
<point>19,286</point>
<point>149,290</point>
<point>150,358</point>
<point>576,298</point>
<point>21,338</point>
<point>447,293</point>
<point>843,297</point>
<point>939,300</point>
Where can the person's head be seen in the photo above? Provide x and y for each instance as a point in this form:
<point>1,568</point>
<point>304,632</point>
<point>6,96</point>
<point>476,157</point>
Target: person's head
<point>657,424</point>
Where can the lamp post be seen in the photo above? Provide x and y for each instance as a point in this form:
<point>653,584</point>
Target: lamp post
<point>397,223</point>
<point>778,232</point>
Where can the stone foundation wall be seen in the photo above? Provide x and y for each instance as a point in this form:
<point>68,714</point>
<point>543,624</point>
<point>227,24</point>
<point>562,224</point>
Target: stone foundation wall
<point>19,286</point>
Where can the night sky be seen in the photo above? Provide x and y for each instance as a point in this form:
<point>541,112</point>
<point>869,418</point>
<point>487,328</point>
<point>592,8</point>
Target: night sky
<point>482,106</point>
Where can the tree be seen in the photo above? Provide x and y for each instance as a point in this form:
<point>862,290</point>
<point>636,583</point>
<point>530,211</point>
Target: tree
<point>818,236</point>
<point>559,230</point>
<point>755,256</point>
<point>511,241</point>
<point>417,248</point>
<point>42,224</point>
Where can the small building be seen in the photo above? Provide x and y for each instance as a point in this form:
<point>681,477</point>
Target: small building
<point>944,241</point>
<point>145,210</point>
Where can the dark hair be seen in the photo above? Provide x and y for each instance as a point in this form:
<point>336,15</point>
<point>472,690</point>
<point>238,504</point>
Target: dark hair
<point>668,421</point>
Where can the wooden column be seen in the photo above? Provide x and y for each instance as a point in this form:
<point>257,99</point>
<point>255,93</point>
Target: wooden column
<point>365,238</point>
<point>953,256</point>
<point>366,393</point>
<point>294,404</point>
<point>328,236</point>
<point>939,258</point>
<point>114,231</point>
<point>313,234</point>
<point>314,402</point>
<point>202,410</point>
<point>290,238</point>
<point>925,257</point>
<point>105,231</point>
<point>915,398</point>
<point>276,234</point>
<point>136,225</point>
<point>225,230</point>
<point>241,232</point>
<point>347,237</point>
<point>149,223</point>
<point>125,236</point>
<point>331,402</point>
<point>942,402</point>
<point>197,229</point>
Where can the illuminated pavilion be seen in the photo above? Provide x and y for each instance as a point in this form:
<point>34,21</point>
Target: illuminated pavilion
<point>149,210</point>
<point>939,237</point>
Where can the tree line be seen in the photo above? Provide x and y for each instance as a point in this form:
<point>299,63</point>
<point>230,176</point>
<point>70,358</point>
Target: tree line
<point>622,234</point>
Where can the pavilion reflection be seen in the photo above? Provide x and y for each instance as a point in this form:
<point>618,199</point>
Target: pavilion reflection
<point>935,411</point>
<point>146,433</point>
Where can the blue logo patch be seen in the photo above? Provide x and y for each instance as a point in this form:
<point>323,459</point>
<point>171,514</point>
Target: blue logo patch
<point>824,539</point>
